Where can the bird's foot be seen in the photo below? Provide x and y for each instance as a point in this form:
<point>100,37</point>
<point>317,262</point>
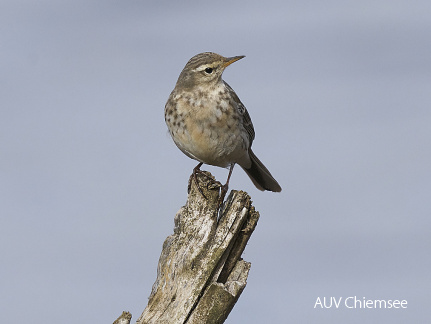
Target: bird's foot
<point>212,184</point>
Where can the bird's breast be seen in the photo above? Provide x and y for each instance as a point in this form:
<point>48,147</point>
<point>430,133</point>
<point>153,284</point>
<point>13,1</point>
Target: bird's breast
<point>207,127</point>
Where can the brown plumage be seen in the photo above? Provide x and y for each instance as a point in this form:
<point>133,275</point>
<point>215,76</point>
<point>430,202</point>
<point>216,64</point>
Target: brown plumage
<point>209,123</point>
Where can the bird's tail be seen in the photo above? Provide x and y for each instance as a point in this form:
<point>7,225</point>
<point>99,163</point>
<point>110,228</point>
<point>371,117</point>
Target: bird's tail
<point>261,177</point>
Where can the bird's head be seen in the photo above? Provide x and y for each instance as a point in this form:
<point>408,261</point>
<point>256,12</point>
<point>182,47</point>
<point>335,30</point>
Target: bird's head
<point>204,69</point>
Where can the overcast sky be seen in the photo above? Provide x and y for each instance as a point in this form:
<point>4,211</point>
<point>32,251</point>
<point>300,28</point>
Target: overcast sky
<point>339,93</point>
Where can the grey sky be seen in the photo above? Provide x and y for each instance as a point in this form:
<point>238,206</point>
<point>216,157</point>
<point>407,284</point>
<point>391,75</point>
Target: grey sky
<point>339,94</point>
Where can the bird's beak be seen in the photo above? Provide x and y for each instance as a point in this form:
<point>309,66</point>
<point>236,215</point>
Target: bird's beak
<point>230,60</point>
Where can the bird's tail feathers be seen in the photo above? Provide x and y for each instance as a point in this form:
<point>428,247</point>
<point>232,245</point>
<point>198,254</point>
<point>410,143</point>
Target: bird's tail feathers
<point>259,174</point>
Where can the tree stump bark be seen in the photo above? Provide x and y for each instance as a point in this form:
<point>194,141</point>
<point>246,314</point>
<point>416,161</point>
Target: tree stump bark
<point>200,274</point>
<point>123,318</point>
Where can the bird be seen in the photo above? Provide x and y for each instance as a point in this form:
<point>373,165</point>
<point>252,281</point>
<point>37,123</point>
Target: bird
<point>208,122</point>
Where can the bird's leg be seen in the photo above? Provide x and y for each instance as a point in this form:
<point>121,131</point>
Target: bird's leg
<point>197,170</point>
<point>225,187</point>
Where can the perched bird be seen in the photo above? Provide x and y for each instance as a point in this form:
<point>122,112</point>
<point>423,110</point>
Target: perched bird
<point>209,123</point>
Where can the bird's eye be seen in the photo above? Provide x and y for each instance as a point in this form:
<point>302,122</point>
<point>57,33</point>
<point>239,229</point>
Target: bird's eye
<point>209,70</point>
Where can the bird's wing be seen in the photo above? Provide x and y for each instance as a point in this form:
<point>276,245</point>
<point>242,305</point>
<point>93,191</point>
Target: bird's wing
<point>248,125</point>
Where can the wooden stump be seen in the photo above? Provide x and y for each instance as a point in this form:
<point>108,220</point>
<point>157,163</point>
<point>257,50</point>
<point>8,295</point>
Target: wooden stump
<point>200,274</point>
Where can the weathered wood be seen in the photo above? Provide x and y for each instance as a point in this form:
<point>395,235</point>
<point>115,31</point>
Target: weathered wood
<point>124,318</point>
<point>200,274</point>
